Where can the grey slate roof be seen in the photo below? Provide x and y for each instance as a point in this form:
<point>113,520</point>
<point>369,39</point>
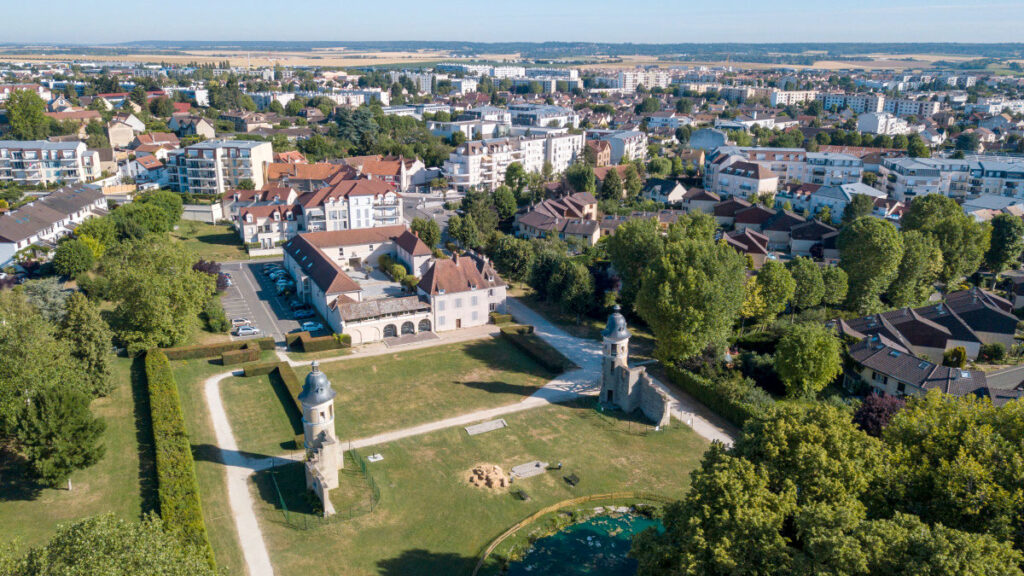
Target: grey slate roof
<point>317,388</point>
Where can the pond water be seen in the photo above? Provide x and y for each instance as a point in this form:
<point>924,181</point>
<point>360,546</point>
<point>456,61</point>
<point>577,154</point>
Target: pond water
<point>596,546</point>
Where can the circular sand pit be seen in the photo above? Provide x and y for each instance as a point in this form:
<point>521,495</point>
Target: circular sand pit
<point>489,476</point>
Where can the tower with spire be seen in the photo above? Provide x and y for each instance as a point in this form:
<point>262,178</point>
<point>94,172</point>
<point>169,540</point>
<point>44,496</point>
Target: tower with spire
<point>323,451</point>
<point>625,387</point>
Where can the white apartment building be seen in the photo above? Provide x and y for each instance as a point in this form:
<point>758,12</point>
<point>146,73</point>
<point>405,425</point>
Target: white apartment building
<point>907,107</point>
<point>559,73</point>
<point>351,205</point>
<point>858,103</point>
<point>631,144</point>
<point>790,164</point>
<point>263,100</point>
<point>482,163</point>
<point>789,97</point>
<point>995,105</point>
<point>37,162</point>
<point>214,166</point>
<point>628,80</point>
<point>906,178</point>
<point>883,123</point>
<point>7,89</point>
<point>543,115</point>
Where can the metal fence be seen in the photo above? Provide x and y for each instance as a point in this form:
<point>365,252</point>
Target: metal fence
<point>307,514</point>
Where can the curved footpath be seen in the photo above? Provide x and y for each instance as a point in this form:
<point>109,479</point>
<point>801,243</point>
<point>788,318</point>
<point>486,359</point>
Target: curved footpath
<point>584,381</point>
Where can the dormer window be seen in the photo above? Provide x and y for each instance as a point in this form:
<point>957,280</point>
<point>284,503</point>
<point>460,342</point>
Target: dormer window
<point>248,218</point>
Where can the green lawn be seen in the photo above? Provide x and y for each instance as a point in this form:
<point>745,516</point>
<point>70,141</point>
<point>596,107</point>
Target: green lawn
<point>263,414</point>
<point>381,393</point>
<point>431,521</point>
<point>215,242</point>
<point>115,484</point>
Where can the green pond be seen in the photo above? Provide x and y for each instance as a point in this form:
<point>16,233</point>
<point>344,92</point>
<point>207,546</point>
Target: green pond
<point>596,546</point>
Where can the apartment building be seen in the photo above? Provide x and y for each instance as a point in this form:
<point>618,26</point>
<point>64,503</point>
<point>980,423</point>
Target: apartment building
<point>882,123</point>
<point>746,179</point>
<point>789,164</point>
<point>482,163</point>
<point>7,89</point>
<point>214,166</point>
<point>858,103</point>
<point>789,97</point>
<point>631,144</point>
<point>38,162</point>
<point>907,107</point>
<point>629,80</point>
<point>350,204</point>
<point>907,178</point>
<point>543,115</point>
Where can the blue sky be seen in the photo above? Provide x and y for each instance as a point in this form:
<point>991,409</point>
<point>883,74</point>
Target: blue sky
<point>655,21</point>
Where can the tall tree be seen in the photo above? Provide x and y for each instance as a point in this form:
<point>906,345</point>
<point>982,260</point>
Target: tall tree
<point>59,435</point>
<point>962,240</point>
<point>574,286</point>
<point>48,296</point>
<point>88,338</point>
<point>513,257</point>
<point>516,178</point>
<point>581,178</point>
<point>836,285</point>
<point>635,245</point>
<point>860,205</point>
<point>690,297</point>
<point>807,359</point>
<point>428,230</point>
<point>544,266</point>
<point>505,202</point>
<point>633,183</point>
<point>810,288</point>
<point>170,202</point>
<point>918,270</point>
<point>611,186</point>
<point>26,116</point>
<point>777,287</point>
<point>869,251</point>
<point>72,257</point>
<point>1006,244</point>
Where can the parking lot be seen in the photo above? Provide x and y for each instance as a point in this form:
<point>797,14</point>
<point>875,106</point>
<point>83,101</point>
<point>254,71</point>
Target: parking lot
<point>254,296</point>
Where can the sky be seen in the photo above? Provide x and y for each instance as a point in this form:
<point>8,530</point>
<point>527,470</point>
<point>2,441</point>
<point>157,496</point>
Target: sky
<point>646,21</point>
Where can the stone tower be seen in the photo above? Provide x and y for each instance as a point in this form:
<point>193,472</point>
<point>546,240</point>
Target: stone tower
<point>616,339</point>
<point>629,388</point>
<point>323,451</point>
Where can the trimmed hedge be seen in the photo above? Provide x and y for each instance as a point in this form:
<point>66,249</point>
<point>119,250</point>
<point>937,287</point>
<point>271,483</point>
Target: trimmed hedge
<point>214,350</point>
<point>310,344</point>
<point>177,487</point>
<point>249,353</point>
<point>736,399</point>
<point>535,347</point>
<point>500,319</point>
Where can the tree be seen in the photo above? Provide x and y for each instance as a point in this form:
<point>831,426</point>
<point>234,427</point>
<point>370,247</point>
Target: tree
<point>48,296</point>
<point>170,202</point>
<point>137,219</point>
<point>516,179</point>
<point>860,205</point>
<point>810,287</point>
<point>544,266</point>
<point>88,338</point>
<point>870,251</point>
<point>26,116</point>
<point>513,257</point>
<point>104,230</point>
<point>158,295</point>
<point>505,202</point>
<point>825,214</point>
<point>72,257</point>
<point>648,105</point>
<point>581,178</point>
<point>138,96</point>
<point>916,148</point>
<point>955,357</point>
<point>660,167</point>
<point>429,231</point>
<point>968,142</point>
<point>776,286</point>
<point>690,296</point>
<point>918,269</point>
<point>963,241</point>
<point>574,286</point>
<point>1006,244</point>
<point>807,359</point>
<point>875,412</point>
<point>59,435</point>
<point>113,546</point>
<point>611,186</point>
<point>633,184</point>
<point>480,205</point>
<point>464,231</point>
<point>635,245</point>
<point>246,184</point>
<point>96,135</point>
<point>162,107</point>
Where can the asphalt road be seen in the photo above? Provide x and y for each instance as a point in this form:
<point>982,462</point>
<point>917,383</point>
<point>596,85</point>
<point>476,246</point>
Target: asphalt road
<point>253,296</point>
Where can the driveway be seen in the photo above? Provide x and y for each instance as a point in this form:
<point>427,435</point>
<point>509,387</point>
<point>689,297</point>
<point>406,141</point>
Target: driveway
<point>254,296</point>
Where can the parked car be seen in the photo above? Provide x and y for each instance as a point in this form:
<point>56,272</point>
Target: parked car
<point>296,304</point>
<point>237,322</point>
<point>269,267</point>
<point>277,274</point>
<point>304,313</point>
<point>248,331</point>
<point>311,326</point>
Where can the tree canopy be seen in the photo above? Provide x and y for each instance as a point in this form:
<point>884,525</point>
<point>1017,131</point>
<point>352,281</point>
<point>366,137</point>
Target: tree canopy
<point>870,251</point>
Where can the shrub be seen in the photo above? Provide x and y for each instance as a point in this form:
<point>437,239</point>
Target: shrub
<point>177,487</point>
<point>308,343</point>
<point>994,352</point>
<point>284,371</point>
<point>96,288</point>
<point>876,411</point>
<point>214,350</point>
<point>523,338</point>
<point>735,398</point>
<point>955,358</point>
<point>501,318</point>
<point>398,272</point>
<point>213,314</point>
<point>410,282</point>
<point>384,262</point>
<point>249,353</point>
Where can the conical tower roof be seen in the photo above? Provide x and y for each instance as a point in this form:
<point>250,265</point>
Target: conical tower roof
<point>317,388</point>
<point>616,329</point>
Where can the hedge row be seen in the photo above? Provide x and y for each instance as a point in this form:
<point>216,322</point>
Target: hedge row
<point>500,319</point>
<point>249,353</point>
<point>735,399</point>
<point>535,347</point>
<point>177,487</point>
<point>318,344</point>
<point>214,350</point>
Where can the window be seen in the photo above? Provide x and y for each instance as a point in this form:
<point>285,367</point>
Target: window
<point>440,321</point>
<point>901,387</point>
<point>440,306</point>
<point>474,315</point>
<point>458,302</point>
<point>474,301</point>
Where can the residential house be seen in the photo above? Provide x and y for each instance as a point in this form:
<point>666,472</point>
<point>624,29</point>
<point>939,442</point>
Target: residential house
<point>403,173</point>
<point>666,191</point>
<point>700,200</point>
<point>463,291</point>
<point>45,220</point>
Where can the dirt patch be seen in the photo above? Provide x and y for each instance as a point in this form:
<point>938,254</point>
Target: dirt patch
<point>488,476</point>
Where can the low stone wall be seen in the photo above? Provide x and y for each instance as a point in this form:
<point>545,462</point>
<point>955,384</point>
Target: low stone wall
<point>257,252</point>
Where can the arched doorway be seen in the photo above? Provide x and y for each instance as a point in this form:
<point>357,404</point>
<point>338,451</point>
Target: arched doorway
<point>424,325</point>
<point>390,331</point>
<point>408,328</point>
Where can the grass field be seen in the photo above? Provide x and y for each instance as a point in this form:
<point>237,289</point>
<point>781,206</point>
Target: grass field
<point>121,483</point>
<point>215,242</point>
<point>431,521</point>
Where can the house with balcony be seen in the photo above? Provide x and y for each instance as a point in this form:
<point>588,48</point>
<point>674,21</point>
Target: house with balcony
<point>40,162</point>
<point>348,204</point>
<point>214,166</point>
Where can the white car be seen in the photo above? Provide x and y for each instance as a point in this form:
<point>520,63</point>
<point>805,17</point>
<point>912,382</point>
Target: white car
<point>311,326</point>
<point>248,331</point>
<point>238,322</point>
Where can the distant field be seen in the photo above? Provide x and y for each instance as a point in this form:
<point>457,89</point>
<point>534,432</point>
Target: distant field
<point>869,62</point>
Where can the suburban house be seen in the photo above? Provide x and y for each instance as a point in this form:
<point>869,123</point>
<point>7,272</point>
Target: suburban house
<point>463,291</point>
<point>189,125</point>
<point>601,151</point>
<point>750,242</point>
<point>806,239</point>
<point>667,191</point>
<point>235,200</point>
<point>725,211</point>
<point>745,179</point>
<point>403,173</point>
<point>700,200</point>
<point>268,225</point>
<point>147,168</point>
<point>837,198</point>
<point>45,220</point>
<point>574,215</point>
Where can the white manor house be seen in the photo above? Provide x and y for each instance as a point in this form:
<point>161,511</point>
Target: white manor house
<point>336,273</point>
